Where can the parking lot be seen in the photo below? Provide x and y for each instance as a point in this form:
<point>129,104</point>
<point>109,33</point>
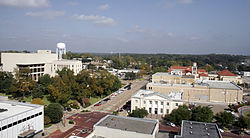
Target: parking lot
<point>116,100</point>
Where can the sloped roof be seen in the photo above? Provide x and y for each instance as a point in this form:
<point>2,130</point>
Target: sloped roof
<point>225,73</point>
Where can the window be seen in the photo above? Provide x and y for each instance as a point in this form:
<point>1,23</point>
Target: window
<point>161,110</point>
<point>176,104</point>
<point>156,102</point>
<point>24,119</point>
<point>4,127</point>
<point>161,103</point>
<point>167,103</point>
<point>20,121</point>
<point>9,125</point>
<point>150,110</point>
<point>136,101</point>
<point>150,102</point>
<point>135,107</point>
<point>32,116</point>
<point>15,123</point>
<point>36,115</point>
<point>167,111</point>
<point>144,102</point>
<point>40,113</point>
<point>28,118</point>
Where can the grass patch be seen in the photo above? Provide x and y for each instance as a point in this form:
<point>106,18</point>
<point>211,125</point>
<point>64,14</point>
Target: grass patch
<point>93,100</point>
<point>45,100</point>
<point>48,125</point>
<point>247,114</point>
<point>27,99</point>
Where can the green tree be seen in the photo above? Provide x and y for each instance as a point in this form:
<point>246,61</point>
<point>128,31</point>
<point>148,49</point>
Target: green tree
<point>55,112</point>
<point>179,114</point>
<point>243,123</point>
<point>140,113</point>
<point>202,114</point>
<point>223,119</point>
<point>6,81</point>
<point>38,91</point>
<point>130,76</point>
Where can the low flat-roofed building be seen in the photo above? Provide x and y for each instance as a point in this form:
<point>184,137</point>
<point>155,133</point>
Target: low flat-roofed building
<point>164,77</point>
<point>112,126</point>
<point>203,91</point>
<point>193,129</point>
<point>20,119</point>
<point>156,102</point>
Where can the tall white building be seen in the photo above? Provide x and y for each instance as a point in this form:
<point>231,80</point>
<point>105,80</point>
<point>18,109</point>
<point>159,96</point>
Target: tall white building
<point>40,63</point>
<point>20,119</point>
<point>156,102</point>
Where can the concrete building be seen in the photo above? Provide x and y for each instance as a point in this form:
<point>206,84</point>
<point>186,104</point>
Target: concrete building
<point>40,63</point>
<point>203,91</point>
<point>163,77</point>
<point>156,102</point>
<point>193,129</point>
<point>124,127</point>
<point>20,119</point>
<point>226,75</point>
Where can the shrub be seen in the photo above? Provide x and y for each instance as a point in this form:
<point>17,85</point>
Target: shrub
<point>46,120</point>
<point>55,112</point>
<point>37,101</point>
<point>71,122</point>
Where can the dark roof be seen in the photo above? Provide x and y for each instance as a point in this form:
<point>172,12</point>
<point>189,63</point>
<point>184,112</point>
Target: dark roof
<point>138,125</point>
<point>193,129</point>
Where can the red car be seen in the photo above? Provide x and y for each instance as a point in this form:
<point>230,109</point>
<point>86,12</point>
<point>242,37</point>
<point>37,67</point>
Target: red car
<point>98,104</point>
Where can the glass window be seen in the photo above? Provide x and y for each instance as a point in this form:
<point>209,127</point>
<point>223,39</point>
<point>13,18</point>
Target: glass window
<point>167,111</point>
<point>176,104</point>
<point>161,103</point>
<point>144,102</point>
<point>150,110</point>
<point>167,103</point>
<point>150,102</point>
<point>156,102</point>
<point>161,110</point>
<point>9,125</point>
<point>4,127</point>
<point>15,123</point>
<point>20,121</point>
<point>40,113</point>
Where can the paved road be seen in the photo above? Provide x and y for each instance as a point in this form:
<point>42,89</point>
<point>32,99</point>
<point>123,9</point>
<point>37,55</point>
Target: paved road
<point>118,101</point>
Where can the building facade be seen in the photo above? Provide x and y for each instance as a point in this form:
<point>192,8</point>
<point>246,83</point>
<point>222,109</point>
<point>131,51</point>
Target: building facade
<point>205,91</point>
<point>20,119</point>
<point>156,102</point>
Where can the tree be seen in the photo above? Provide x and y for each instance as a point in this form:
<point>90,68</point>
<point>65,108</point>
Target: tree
<point>37,101</point>
<point>140,113</point>
<point>46,120</point>
<point>179,114</point>
<point>130,76</point>
<point>45,81</point>
<point>6,81</point>
<point>224,119</point>
<point>243,123</point>
<point>55,112</point>
<point>202,114</point>
<point>38,91</point>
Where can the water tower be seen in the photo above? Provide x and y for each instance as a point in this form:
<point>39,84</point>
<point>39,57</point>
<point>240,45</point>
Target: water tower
<point>60,50</point>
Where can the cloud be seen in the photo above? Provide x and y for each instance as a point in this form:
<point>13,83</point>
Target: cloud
<point>46,14</point>
<point>122,39</point>
<point>104,7</point>
<point>73,3</point>
<point>25,3</point>
<point>185,1</point>
<point>193,38</point>
<point>96,19</point>
<point>136,29</point>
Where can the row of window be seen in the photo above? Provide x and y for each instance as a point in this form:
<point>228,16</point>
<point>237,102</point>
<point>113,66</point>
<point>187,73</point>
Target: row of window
<point>156,102</point>
<point>19,121</point>
<point>156,111</point>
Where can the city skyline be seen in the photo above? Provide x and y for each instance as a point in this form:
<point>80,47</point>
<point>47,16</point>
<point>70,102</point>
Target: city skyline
<point>164,26</point>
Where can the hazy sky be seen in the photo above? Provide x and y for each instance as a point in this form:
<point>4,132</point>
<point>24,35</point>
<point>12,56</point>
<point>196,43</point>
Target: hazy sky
<point>137,26</point>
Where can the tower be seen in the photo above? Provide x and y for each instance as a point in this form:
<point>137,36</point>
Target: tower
<point>194,69</point>
<point>60,50</point>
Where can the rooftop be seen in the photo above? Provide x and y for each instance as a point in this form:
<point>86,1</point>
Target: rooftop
<point>193,129</point>
<point>225,73</point>
<point>138,125</point>
<point>14,108</point>
<point>147,93</point>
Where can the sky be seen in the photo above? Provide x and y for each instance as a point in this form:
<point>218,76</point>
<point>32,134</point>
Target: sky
<point>127,26</point>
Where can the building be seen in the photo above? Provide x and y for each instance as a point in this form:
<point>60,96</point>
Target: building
<point>193,129</point>
<point>188,71</point>
<point>163,77</point>
<point>40,63</point>
<point>226,75</point>
<point>156,102</point>
<point>112,126</point>
<point>202,91</point>
<point>20,119</point>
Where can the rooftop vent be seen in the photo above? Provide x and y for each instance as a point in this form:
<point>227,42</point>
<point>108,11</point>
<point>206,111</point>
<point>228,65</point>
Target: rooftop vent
<point>191,123</point>
<point>208,134</point>
<point>191,132</point>
<point>191,127</point>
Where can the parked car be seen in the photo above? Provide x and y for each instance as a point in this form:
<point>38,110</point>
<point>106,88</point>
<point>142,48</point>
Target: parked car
<point>171,124</point>
<point>98,104</point>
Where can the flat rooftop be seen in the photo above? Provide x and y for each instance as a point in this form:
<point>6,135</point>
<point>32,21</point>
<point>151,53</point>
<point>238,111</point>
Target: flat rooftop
<point>14,108</point>
<point>193,129</point>
<point>137,125</point>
